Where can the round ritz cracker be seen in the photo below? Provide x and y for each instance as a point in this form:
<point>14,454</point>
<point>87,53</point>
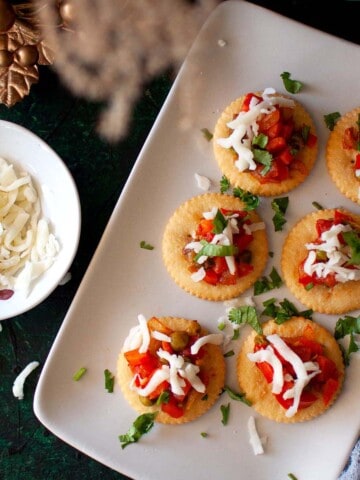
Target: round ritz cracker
<point>226,158</point>
<point>343,297</point>
<point>212,367</point>
<point>177,234</point>
<point>258,391</point>
<point>340,161</point>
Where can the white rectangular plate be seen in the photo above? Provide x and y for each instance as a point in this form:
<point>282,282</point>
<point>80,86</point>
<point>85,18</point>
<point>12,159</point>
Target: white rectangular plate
<point>124,280</point>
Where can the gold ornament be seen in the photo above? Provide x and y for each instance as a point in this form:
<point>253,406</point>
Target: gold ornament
<point>21,51</point>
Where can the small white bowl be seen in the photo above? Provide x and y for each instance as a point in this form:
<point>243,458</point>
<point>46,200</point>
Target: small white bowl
<point>59,203</point>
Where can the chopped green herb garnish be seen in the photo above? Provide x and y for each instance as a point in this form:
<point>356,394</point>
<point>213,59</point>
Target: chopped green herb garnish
<point>279,205</point>
<point>305,133</point>
<point>264,157</point>
<point>109,381</point>
<point>163,397</point>
<point>239,397</point>
<point>207,134</point>
<point>224,184</point>
<point>141,425</point>
<point>225,411</point>
<point>77,375</point>
<point>284,311</point>
<point>331,119</point>
<point>348,326</point>
<point>230,353</point>
<point>353,241</point>
<point>291,86</point>
<point>219,222</point>
<point>251,201</point>
<point>309,286</point>
<point>292,476</point>
<point>317,206</point>
<point>204,434</point>
<point>260,140</point>
<point>213,250</point>
<point>145,245</point>
<point>266,284</point>
<point>245,314</point>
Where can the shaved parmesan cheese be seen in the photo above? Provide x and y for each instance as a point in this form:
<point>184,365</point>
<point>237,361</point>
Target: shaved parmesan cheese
<point>18,386</point>
<point>214,338</point>
<point>27,247</point>
<point>245,127</point>
<point>255,440</point>
<point>202,182</point>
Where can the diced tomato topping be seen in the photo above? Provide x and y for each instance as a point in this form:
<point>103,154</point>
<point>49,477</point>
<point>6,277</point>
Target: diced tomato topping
<point>266,370</point>
<point>173,408</point>
<point>330,388</point>
<point>142,363</point>
<point>328,369</point>
<point>211,277</point>
<point>243,269</point>
<point>162,387</point>
<point>204,227</point>
<point>276,145</point>
<point>311,140</point>
<point>242,241</point>
<point>340,217</point>
<point>246,103</point>
<point>285,156</point>
<point>220,265</point>
<point>268,120</point>
<point>227,279</point>
<point>323,225</point>
<point>350,138</point>
<point>357,162</point>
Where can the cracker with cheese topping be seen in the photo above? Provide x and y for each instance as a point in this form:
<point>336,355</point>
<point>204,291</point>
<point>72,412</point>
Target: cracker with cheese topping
<point>204,369</point>
<point>233,242</point>
<point>316,353</point>
<point>333,259</point>
<point>266,146</point>
<point>341,155</point>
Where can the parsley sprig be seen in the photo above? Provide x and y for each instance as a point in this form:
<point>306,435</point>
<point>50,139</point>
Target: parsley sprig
<point>348,326</point>
<point>245,314</point>
<point>250,200</point>
<point>331,119</point>
<point>279,206</point>
<point>291,86</point>
<point>284,311</point>
<point>142,424</point>
<point>239,397</point>
<point>265,284</point>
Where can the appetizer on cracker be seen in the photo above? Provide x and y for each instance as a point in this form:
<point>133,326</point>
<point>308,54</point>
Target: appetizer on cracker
<point>343,155</point>
<point>265,143</point>
<point>291,373</point>
<point>321,261</point>
<point>173,367</point>
<point>213,248</point>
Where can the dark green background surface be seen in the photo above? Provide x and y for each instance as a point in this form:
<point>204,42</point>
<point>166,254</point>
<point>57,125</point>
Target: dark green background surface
<point>27,450</point>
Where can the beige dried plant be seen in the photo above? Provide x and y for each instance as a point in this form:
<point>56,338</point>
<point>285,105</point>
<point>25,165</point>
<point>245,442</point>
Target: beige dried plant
<point>106,50</point>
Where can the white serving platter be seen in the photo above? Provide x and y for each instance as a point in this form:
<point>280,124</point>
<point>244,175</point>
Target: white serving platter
<point>241,48</point>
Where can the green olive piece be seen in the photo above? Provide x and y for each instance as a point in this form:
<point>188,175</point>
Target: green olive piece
<point>146,401</point>
<point>179,341</point>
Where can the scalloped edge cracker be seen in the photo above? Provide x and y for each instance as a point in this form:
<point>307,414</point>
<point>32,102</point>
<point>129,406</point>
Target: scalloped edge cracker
<point>177,234</point>
<point>258,391</point>
<point>213,365</point>
<point>245,180</point>
<point>339,161</point>
<point>343,297</point>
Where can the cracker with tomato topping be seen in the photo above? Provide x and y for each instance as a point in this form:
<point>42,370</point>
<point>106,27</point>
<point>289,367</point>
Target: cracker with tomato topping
<point>302,333</point>
<point>341,152</point>
<point>333,299</point>
<point>298,156</point>
<point>179,232</point>
<point>212,371</point>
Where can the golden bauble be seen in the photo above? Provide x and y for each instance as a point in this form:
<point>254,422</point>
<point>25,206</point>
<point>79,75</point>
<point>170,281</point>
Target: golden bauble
<point>67,11</point>
<point>7,16</point>
<point>27,55</point>
<point>6,58</point>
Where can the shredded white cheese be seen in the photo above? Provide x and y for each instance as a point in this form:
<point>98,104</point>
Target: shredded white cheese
<point>244,127</point>
<point>138,337</point>
<point>304,372</point>
<point>255,440</point>
<point>337,256</point>
<point>214,338</point>
<point>202,182</point>
<point>18,386</point>
<point>27,247</point>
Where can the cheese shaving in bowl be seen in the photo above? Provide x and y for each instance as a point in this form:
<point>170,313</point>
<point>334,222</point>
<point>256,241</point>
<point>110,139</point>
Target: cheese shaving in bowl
<point>27,247</point>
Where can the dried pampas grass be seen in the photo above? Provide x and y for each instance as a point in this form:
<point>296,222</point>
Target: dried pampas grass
<point>106,50</point>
